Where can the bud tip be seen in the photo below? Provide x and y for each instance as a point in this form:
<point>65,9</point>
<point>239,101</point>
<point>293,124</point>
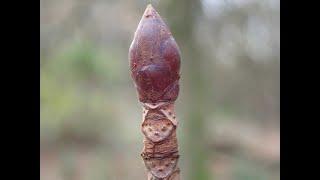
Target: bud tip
<point>149,11</point>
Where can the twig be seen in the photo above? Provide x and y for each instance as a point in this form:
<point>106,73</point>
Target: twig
<point>155,67</point>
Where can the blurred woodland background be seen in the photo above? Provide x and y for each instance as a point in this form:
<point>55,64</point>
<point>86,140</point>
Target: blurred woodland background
<point>229,102</point>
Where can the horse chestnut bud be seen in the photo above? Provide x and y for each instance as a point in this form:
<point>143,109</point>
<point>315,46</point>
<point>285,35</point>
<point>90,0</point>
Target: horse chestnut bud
<point>154,60</point>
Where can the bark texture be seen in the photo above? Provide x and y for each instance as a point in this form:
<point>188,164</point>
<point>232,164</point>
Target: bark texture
<point>155,66</point>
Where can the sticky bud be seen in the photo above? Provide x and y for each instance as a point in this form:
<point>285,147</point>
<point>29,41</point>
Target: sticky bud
<point>154,60</point>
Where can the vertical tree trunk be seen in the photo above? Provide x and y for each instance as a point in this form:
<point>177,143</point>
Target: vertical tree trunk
<point>155,67</point>
<point>183,23</point>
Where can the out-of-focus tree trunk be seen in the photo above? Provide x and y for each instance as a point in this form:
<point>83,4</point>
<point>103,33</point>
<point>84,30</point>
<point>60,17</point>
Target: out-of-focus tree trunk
<point>182,20</point>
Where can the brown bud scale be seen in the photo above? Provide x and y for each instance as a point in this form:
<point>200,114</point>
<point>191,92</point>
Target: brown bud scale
<point>154,60</point>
